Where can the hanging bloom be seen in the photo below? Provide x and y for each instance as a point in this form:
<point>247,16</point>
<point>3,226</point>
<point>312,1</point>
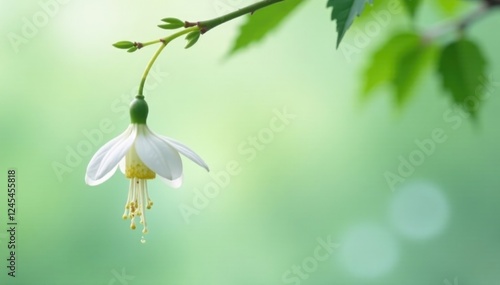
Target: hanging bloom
<point>141,155</point>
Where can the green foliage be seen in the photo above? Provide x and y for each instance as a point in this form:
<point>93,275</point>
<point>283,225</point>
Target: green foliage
<point>409,69</point>
<point>412,6</point>
<point>170,26</point>
<point>192,38</point>
<point>400,61</point>
<point>366,16</point>
<point>382,68</point>
<point>448,6</point>
<point>124,45</point>
<point>171,23</point>
<point>462,68</point>
<point>262,22</point>
<point>344,12</point>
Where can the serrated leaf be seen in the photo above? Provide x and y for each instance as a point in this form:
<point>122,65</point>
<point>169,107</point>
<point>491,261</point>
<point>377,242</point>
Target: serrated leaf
<point>262,23</point>
<point>371,12</point>
<point>344,12</point>
<point>462,68</point>
<point>123,44</point>
<point>192,38</point>
<point>382,67</point>
<point>409,69</point>
<point>412,6</point>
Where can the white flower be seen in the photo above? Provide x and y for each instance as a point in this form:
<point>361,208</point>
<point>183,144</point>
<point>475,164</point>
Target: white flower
<point>141,155</point>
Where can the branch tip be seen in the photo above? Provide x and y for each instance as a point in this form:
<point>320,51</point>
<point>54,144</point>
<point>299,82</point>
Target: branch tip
<point>188,24</point>
<point>138,45</point>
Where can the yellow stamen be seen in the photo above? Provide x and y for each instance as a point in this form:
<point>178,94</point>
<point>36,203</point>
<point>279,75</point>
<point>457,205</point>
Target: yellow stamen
<point>136,203</point>
<point>135,168</point>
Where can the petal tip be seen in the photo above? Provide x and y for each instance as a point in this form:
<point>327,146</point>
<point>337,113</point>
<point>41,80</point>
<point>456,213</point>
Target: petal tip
<point>89,181</point>
<point>175,183</point>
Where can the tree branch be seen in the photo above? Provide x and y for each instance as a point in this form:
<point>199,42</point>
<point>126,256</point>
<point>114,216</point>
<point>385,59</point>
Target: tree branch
<point>205,26</point>
<point>189,27</point>
<point>462,24</point>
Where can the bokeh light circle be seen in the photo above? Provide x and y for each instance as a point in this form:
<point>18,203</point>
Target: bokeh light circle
<point>368,251</point>
<point>419,210</point>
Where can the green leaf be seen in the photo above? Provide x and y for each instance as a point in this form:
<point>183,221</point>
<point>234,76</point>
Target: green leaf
<point>263,22</point>
<point>192,38</point>
<point>173,21</point>
<point>449,7</point>
<point>382,67</point>
<point>409,69</point>
<point>378,7</point>
<point>193,35</point>
<point>132,49</point>
<point>400,61</point>
<point>123,45</point>
<point>462,69</point>
<point>344,11</point>
<point>412,6</point>
<point>171,26</point>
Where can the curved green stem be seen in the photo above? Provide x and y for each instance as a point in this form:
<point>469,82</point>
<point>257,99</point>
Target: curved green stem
<point>148,68</point>
<point>164,42</point>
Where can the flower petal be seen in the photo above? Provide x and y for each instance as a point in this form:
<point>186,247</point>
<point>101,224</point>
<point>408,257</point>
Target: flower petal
<point>157,154</point>
<point>96,181</point>
<point>176,183</point>
<point>186,151</point>
<point>122,165</point>
<point>104,162</point>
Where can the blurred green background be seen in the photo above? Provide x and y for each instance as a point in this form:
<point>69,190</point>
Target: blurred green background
<point>317,180</point>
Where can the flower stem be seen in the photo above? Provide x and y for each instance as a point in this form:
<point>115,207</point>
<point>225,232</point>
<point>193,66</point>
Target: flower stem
<point>203,27</point>
<point>164,42</point>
